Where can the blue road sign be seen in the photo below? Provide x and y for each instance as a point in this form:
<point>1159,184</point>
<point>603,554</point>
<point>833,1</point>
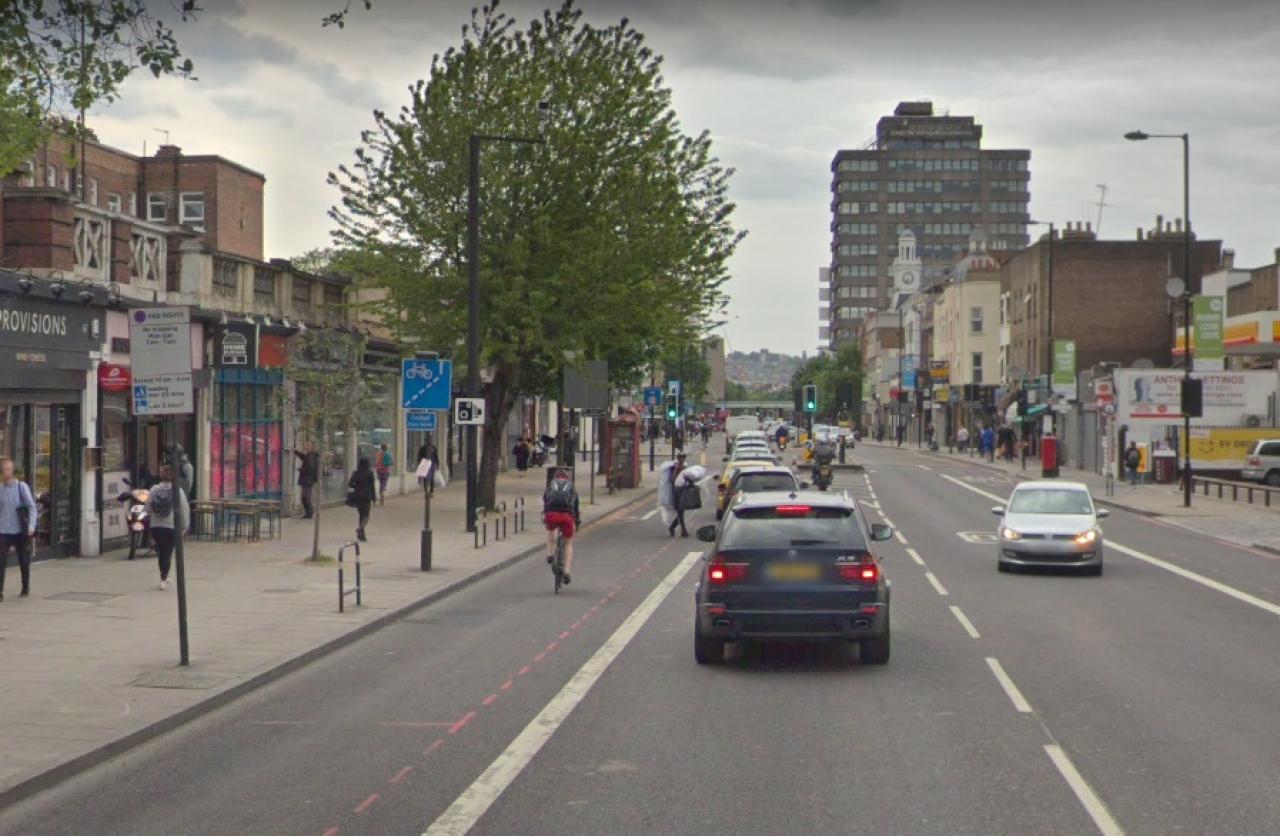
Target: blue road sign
<point>653,396</point>
<point>421,420</point>
<point>426,384</point>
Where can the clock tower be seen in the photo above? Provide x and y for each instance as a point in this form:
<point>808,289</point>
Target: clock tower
<point>906,269</point>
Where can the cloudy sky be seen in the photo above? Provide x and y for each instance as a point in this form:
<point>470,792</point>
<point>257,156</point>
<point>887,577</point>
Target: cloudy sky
<point>782,85</point>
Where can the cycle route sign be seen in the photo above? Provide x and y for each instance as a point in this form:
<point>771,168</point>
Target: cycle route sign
<point>426,384</point>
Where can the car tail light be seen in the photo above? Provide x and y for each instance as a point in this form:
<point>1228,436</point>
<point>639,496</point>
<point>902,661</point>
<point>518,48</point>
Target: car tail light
<point>721,572</point>
<point>865,571</point>
<point>1254,461</point>
<point>792,510</point>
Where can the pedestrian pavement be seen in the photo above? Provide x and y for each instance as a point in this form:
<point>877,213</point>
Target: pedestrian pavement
<point>90,660</point>
<point>1252,526</point>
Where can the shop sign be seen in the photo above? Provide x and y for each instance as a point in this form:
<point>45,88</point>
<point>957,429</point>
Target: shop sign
<point>1158,394</point>
<point>273,351</point>
<point>939,372</point>
<point>160,356</point>
<point>236,346</point>
<point>31,323</point>
<point>113,377</point>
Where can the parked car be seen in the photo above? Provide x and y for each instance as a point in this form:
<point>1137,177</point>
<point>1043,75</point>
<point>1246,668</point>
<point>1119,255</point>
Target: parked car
<point>792,566</point>
<point>1263,462</point>
<point>1048,523</point>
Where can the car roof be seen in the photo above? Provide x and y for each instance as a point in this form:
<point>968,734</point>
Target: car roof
<point>765,468</point>
<point>741,463</point>
<point>817,499</point>
<point>1052,483</point>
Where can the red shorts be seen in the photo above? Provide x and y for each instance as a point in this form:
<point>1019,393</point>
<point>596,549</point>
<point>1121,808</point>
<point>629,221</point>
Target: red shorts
<point>562,520</point>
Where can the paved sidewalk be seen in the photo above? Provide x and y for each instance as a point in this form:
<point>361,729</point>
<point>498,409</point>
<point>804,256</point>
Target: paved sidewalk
<point>89,661</point>
<point>1254,526</point>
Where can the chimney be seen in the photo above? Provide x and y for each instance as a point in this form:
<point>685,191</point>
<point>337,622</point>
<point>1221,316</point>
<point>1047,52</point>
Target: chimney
<point>1140,236</point>
<point>168,151</point>
<point>1088,226</point>
<point>1159,223</point>
<point>1228,259</point>
<point>1177,224</point>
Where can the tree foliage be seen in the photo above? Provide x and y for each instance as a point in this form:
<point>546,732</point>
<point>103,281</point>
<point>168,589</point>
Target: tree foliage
<point>62,56</point>
<point>607,239</point>
<point>838,378</point>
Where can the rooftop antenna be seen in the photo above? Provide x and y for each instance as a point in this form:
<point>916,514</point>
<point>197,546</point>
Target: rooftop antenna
<point>162,131</point>
<point>1101,204</point>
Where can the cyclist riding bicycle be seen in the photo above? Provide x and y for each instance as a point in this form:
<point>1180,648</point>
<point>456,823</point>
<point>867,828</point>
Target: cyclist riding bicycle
<point>560,513</point>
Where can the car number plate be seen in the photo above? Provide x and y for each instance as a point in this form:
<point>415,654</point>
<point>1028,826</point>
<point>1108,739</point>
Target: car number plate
<point>794,571</point>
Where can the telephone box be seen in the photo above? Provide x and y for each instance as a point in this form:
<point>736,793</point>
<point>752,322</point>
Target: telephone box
<point>623,450</point>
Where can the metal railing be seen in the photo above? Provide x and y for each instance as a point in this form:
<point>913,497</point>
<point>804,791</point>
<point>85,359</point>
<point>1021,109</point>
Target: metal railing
<point>1226,488</point>
<point>343,592</point>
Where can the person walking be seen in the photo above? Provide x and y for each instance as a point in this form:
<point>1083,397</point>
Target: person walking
<point>962,439</point>
<point>1132,459</point>
<point>385,461</point>
<point>360,495</point>
<point>427,450</point>
<point>308,475</point>
<point>989,443</point>
<point>168,511</point>
<point>18,512</point>
<point>522,451</point>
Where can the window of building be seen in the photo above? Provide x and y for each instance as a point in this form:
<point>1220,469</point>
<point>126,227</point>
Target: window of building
<point>858,185</point>
<point>301,295</point>
<point>948,229</point>
<point>858,249</point>
<point>856,271</point>
<point>898,186</point>
<point>1008,186</point>
<point>333,299</point>
<point>859,165</point>
<point>113,201</point>
<point>93,191</point>
<point>853,207</point>
<point>860,229</point>
<point>27,178</point>
<point>977,367</point>
<point>66,180</point>
<point>51,176</point>
<point>226,278</point>
<point>157,207</point>
<point>264,287</point>
<point>975,320</point>
<point>193,210</point>
<point>245,434</point>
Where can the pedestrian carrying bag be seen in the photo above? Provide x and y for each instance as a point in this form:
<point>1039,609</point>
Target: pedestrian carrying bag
<point>162,501</point>
<point>351,498</point>
<point>690,497</point>
<point>25,504</point>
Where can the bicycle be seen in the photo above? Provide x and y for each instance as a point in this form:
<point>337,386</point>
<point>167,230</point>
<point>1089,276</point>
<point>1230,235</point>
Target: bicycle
<point>557,565</point>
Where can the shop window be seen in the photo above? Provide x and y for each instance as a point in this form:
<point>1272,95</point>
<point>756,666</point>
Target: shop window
<point>245,435</point>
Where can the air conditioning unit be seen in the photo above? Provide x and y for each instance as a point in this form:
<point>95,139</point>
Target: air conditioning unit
<point>1252,420</point>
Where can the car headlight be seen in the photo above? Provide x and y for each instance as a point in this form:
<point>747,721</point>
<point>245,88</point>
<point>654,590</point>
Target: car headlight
<point>1009,534</point>
<point>1084,538</point>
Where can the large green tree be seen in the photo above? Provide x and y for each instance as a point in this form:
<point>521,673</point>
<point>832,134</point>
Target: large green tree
<point>605,240</point>
<point>838,378</point>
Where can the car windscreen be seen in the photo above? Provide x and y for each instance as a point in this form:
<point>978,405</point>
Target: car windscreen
<point>756,482</point>
<point>1050,501</point>
<point>765,528</point>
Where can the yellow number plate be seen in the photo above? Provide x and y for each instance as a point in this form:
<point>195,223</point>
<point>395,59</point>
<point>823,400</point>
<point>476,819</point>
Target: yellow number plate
<point>794,571</point>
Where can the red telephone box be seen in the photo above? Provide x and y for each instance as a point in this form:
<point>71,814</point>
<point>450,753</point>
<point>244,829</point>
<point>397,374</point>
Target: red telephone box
<point>622,446</point>
<point>1049,456</point>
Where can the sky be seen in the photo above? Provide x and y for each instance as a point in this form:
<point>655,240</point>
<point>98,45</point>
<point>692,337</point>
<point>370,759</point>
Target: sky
<point>782,86</point>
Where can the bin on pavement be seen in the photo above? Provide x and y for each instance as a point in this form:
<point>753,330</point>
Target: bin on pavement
<point>1165,466</point>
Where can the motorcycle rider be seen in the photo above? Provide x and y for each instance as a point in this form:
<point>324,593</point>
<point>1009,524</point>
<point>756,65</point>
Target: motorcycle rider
<point>824,452</point>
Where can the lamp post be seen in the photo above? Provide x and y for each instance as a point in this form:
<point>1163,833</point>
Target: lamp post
<point>1048,314</point>
<point>473,289</point>
<point>1187,354</point>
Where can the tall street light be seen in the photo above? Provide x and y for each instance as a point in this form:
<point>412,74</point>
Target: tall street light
<point>473,289</point>
<point>1187,354</point>
<point>1048,312</point>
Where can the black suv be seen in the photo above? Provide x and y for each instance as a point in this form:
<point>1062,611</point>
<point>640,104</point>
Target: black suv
<point>792,566</point>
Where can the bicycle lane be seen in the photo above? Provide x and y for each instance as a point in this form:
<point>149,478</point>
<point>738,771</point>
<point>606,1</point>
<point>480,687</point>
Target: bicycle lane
<point>384,733</point>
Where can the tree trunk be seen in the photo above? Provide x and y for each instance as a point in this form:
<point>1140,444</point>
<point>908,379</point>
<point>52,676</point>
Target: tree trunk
<point>498,403</point>
<point>317,495</point>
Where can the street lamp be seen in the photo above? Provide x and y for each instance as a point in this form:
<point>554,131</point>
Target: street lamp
<point>1048,311</point>
<point>473,286</point>
<point>1187,355</point>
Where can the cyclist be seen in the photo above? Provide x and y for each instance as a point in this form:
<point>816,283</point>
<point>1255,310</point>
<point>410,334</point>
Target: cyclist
<point>560,513</point>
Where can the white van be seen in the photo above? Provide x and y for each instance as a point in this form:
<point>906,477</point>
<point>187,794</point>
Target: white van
<point>740,423</point>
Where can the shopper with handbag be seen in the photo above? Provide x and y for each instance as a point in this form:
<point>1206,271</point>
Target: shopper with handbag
<point>360,495</point>
<point>18,514</point>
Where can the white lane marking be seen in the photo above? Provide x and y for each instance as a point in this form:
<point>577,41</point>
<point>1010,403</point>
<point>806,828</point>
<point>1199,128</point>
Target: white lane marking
<point>1015,696</point>
<point>978,491</point>
<point>1217,586</point>
<point>924,467</point>
<point>649,515</point>
<point>937,586</point>
<point>468,807</point>
<point>1088,798</point>
<point>898,536</point>
<point>965,622</point>
<point>887,521</point>
<point>1200,579</point>
<point>915,555</point>
<point>870,504</point>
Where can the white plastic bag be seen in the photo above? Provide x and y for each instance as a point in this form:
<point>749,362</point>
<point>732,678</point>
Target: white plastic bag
<point>439,478</point>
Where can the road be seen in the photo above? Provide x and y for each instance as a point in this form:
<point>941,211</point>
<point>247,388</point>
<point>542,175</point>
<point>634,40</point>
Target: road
<point>1141,702</point>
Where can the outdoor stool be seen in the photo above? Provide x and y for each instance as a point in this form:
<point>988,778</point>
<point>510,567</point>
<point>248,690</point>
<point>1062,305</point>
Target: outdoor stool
<point>204,520</point>
<point>271,511</point>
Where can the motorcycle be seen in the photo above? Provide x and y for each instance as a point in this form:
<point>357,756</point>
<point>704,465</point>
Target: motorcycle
<point>822,476</point>
<point>137,518</point>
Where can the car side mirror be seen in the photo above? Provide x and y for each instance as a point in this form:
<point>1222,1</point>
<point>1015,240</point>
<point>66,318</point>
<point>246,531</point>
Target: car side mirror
<point>881,531</point>
<point>998,510</point>
<point>707,533</point>
<point>1102,513</point>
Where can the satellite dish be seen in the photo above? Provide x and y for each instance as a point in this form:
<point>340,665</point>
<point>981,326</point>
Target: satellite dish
<point>1175,287</point>
<point>1143,363</point>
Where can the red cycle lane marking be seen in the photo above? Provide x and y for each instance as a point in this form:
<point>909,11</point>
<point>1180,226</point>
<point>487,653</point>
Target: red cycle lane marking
<point>436,744</point>
<point>462,724</point>
<point>552,646</point>
<point>564,635</point>
<point>401,775</point>
<point>366,804</point>
<point>523,671</point>
<point>540,657</point>
<point>489,700</point>
<point>333,831</point>
<point>506,685</point>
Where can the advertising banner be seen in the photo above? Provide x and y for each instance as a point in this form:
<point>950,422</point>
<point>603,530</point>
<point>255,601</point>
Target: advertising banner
<point>1206,330</point>
<point>1064,369</point>
<point>1223,448</point>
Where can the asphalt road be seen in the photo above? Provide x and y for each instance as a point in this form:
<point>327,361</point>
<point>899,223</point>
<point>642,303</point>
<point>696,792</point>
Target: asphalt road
<point>1144,701</point>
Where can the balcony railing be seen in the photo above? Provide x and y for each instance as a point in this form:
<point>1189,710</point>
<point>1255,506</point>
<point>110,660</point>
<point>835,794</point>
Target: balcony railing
<point>91,234</point>
<point>147,255</point>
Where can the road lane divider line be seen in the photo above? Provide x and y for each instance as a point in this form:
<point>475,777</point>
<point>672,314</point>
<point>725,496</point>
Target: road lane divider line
<point>937,585</point>
<point>1088,798</point>
<point>897,535</point>
<point>887,521</point>
<point>924,467</point>
<point>468,807</point>
<point>1015,696</point>
<point>1195,577</point>
<point>915,555</point>
<point>649,515</point>
<point>965,622</point>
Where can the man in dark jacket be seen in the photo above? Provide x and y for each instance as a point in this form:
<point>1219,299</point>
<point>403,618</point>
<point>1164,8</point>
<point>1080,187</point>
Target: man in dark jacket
<point>308,475</point>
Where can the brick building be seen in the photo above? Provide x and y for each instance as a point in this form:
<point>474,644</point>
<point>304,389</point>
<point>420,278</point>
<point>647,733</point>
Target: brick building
<point>1108,296</point>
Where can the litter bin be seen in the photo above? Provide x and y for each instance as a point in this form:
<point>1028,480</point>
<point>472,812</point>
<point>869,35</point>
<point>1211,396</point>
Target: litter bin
<point>1165,466</point>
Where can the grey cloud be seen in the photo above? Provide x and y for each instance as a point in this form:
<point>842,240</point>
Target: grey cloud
<point>245,107</point>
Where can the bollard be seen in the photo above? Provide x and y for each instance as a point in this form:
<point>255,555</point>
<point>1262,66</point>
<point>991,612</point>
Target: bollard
<point>519,510</point>
<point>500,521</point>
<point>343,592</point>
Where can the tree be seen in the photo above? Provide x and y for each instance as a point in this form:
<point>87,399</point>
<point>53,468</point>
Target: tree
<point>838,378</point>
<point>605,241</point>
<point>325,396</point>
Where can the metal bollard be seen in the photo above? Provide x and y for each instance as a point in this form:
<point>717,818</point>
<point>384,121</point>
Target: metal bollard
<point>343,592</point>
<point>520,508</point>
<point>500,524</point>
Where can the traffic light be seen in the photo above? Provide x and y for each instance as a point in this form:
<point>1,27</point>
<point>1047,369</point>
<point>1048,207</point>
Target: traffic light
<point>673,406</point>
<point>810,398</point>
<point>1192,397</point>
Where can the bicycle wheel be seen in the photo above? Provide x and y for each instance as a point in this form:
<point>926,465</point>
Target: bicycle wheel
<point>557,567</point>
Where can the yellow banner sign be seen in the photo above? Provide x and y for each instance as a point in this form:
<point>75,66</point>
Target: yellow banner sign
<point>1224,448</point>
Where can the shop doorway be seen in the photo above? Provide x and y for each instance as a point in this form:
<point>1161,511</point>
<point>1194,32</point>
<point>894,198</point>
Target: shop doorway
<point>44,442</point>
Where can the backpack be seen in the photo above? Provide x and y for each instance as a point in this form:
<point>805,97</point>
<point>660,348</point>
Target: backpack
<point>1132,457</point>
<point>560,496</point>
<point>162,501</point>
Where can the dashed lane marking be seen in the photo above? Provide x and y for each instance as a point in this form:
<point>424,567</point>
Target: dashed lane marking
<point>468,807</point>
<point>915,555</point>
<point>1093,805</point>
<point>965,622</point>
<point>933,581</point>
<point>650,515</point>
<point>898,536</point>
<point>1015,696</point>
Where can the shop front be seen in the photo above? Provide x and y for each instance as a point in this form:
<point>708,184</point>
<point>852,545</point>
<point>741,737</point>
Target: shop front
<point>44,361</point>
<point>246,431</point>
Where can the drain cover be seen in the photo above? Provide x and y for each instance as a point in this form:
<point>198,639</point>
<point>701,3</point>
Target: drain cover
<point>85,597</point>
<point>176,679</point>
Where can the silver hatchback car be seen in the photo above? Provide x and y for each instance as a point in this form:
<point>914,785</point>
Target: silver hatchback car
<point>1050,524</point>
